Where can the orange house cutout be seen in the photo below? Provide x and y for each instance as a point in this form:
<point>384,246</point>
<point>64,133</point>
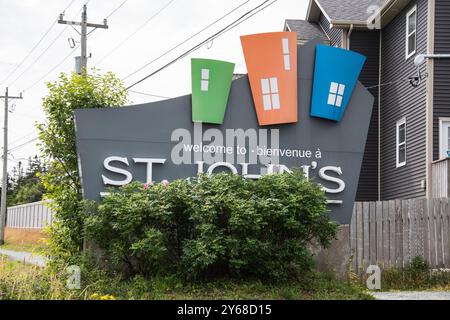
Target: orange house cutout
<point>271,60</point>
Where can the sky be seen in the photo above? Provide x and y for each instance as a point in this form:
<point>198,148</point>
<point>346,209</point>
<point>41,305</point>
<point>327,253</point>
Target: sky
<point>139,31</point>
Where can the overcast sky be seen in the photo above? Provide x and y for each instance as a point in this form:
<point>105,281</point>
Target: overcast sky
<point>24,22</point>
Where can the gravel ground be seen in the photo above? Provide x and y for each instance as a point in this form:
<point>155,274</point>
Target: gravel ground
<point>412,295</point>
<point>26,257</point>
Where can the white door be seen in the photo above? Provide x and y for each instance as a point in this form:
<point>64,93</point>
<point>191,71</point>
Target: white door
<point>444,137</point>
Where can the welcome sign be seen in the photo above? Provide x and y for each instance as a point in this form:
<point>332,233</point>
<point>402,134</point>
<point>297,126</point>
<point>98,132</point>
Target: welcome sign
<point>249,126</point>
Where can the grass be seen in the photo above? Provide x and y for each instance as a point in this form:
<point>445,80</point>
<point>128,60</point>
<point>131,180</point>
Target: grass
<point>21,281</point>
<point>24,247</point>
<point>416,276</point>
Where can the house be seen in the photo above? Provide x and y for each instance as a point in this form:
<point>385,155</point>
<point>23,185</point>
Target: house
<point>409,136</point>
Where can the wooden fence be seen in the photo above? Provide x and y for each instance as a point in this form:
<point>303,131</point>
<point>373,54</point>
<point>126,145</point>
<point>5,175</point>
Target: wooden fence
<point>29,216</point>
<point>391,233</point>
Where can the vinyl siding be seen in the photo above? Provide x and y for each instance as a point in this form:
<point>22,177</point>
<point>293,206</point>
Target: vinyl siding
<point>441,97</point>
<point>399,99</point>
<point>335,35</point>
<point>368,44</point>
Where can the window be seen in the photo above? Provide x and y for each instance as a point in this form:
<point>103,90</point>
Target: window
<point>205,80</point>
<point>444,138</point>
<point>286,57</point>
<point>401,143</point>
<point>271,97</point>
<point>336,94</point>
<point>411,32</point>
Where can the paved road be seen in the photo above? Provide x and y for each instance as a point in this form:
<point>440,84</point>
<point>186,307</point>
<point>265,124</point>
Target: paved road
<point>412,295</point>
<point>26,257</point>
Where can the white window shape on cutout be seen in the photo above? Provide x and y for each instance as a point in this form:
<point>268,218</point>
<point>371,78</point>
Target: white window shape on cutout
<point>271,96</point>
<point>205,80</point>
<point>401,143</point>
<point>336,94</point>
<point>286,56</point>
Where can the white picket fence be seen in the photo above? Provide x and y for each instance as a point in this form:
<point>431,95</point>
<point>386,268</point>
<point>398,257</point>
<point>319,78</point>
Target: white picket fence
<point>34,215</point>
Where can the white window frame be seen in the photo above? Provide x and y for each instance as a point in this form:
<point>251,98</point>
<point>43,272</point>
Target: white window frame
<point>204,85</point>
<point>443,122</point>
<point>336,94</point>
<point>270,93</point>
<point>398,144</point>
<point>286,55</point>
<point>408,15</point>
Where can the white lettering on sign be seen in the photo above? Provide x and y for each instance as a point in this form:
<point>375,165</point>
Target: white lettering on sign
<point>149,162</point>
<point>324,173</point>
<point>326,177</point>
<point>109,167</point>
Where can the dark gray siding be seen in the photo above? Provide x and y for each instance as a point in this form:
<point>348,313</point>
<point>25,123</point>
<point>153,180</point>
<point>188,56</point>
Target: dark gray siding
<point>335,35</point>
<point>399,99</point>
<point>441,97</point>
<point>368,44</point>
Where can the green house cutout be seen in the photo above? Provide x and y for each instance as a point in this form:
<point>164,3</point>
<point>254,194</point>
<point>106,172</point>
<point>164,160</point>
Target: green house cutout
<point>211,84</point>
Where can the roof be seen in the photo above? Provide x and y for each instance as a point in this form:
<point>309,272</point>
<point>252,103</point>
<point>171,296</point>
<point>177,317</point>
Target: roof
<point>350,10</point>
<point>344,13</point>
<point>306,30</point>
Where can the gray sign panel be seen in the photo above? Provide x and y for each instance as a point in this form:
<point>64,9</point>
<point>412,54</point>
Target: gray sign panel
<point>330,153</point>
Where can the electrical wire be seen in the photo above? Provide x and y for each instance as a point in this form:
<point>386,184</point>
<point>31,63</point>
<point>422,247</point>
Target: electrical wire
<point>149,94</point>
<point>114,11</point>
<point>22,145</point>
<point>51,70</point>
<point>186,40</point>
<point>36,45</point>
<point>216,35</point>
<point>43,52</point>
<point>133,33</point>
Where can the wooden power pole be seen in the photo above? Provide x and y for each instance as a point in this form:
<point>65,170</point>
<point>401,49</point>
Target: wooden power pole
<point>7,97</point>
<point>84,27</point>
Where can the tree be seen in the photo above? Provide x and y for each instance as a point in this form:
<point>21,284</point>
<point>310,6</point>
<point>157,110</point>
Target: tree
<point>25,185</point>
<point>58,146</point>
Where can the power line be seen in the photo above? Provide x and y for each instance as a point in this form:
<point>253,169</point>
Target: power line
<point>42,53</point>
<point>35,46</point>
<point>211,38</point>
<point>22,145</point>
<point>149,94</point>
<point>114,11</point>
<point>134,32</point>
<point>21,137</point>
<point>186,40</point>
<point>53,69</point>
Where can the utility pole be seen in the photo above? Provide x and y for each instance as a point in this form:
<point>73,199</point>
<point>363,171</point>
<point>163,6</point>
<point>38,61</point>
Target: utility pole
<point>5,166</point>
<point>84,27</point>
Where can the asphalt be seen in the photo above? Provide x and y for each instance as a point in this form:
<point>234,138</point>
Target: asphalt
<point>26,257</point>
<point>412,295</point>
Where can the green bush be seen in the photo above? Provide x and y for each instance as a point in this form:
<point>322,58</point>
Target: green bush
<point>214,226</point>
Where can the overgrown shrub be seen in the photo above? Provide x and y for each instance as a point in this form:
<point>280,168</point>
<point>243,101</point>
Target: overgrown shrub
<point>417,275</point>
<point>214,226</point>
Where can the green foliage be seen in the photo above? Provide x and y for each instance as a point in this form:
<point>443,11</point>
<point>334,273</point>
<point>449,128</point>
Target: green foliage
<point>58,146</point>
<point>214,226</point>
<point>21,281</point>
<point>25,186</point>
<point>417,275</point>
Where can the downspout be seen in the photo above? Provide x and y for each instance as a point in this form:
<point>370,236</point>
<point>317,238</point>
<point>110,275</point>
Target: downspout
<point>349,34</point>
<point>379,114</point>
